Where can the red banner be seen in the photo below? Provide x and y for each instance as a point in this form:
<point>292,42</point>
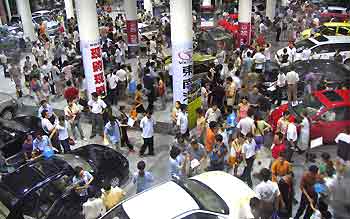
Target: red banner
<point>245,33</point>
<point>132,31</point>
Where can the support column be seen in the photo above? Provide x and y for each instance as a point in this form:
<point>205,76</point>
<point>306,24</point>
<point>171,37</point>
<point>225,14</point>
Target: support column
<point>130,8</point>
<point>148,6</point>
<point>244,19</point>
<point>23,8</point>
<point>3,17</point>
<point>270,9</point>
<point>284,3</point>
<point>182,48</point>
<point>8,10</point>
<point>90,46</point>
<point>69,8</point>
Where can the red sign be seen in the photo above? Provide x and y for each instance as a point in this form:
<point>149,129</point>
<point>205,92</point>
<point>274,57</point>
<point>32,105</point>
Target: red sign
<point>97,69</point>
<point>132,31</point>
<point>245,33</point>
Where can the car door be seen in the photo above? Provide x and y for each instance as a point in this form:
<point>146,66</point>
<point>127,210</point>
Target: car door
<point>330,123</point>
<point>325,51</point>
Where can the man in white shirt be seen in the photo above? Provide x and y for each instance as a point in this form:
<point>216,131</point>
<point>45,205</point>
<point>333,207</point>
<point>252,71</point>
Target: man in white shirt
<point>122,81</point>
<point>147,126</point>
<point>291,140</point>
<point>246,125</point>
<point>259,60</point>
<point>292,79</point>
<point>182,122</point>
<point>112,82</point>
<point>153,46</point>
<point>72,113</point>
<point>280,84</point>
<point>213,114</point>
<point>97,107</point>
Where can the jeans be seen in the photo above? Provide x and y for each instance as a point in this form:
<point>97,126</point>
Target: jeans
<point>112,96</point>
<point>147,142</point>
<point>76,124</point>
<point>65,145</point>
<point>304,204</point>
<point>247,176</point>
<point>97,124</point>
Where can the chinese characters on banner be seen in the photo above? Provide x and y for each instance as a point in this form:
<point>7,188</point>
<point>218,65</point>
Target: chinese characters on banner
<point>182,69</point>
<point>93,68</point>
<point>132,32</point>
<point>245,33</point>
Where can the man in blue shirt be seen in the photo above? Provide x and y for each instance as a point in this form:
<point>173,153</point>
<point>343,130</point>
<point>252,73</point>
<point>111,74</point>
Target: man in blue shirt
<point>231,122</point>
<point>217,156</point>
<point>41,142</point>
<point>112,132</point>
<point>143,179</point>
<point>45,106</point>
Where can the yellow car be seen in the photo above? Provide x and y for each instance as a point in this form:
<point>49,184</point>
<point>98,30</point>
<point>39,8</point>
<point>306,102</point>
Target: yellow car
<point>328,29</point>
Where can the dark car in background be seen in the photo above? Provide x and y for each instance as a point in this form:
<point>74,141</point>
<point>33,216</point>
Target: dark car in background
<point>316,70</point>
<point>43,189</point>
<point>211,40</point>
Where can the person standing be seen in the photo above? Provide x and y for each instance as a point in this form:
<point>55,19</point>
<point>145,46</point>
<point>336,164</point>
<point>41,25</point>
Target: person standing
<point>16,77</point>
<point>63,136</point>
<point>213,114</point>
<point>122,81</point>
<point>82,181</point>
<point>111,196</point>
<point>182,122</point>
<point>248,155</point>
<point>123,118</point>
<point>41,142</point>
<point>259,61</point>
<point>3,62</point>
<point>147,124</point>
<point>291,140</point>
<point>304,138</point>
<point>143,179</point>
<point>308,198</point>
<point>217,155</point>
<point>210,136</point>
<point>97,106</point>
<point>280,84</point>
<point>292,79</point>
<point>230,92</point>
<point>112,132</point>
<point>246,125</point>
<point>113,82</point>
<point>72,113</point>
<point>93,208</point>
<point>44,105</point>
<point>280,167</point>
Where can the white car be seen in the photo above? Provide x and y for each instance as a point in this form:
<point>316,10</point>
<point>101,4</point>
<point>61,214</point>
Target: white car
<point>322,47</point>
<point>52,25</point>
<point>211,195</point>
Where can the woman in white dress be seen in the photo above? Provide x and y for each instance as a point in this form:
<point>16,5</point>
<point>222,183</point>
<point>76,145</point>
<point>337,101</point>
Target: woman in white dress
<point>304,137</point>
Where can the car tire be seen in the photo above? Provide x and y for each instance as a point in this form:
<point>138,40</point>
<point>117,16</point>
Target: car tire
<point>7,114</point>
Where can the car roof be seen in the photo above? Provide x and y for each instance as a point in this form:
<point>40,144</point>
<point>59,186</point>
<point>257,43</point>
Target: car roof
<point>168,200</point>
<point>336,24</point>
<point>319,40</point>
<point>332,98</point>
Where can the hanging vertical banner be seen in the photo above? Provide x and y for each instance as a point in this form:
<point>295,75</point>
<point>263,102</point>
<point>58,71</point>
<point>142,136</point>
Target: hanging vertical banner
<point>182,68</point>
<point>132,32</point>
<point>93,67</point>
<point>245,33</point>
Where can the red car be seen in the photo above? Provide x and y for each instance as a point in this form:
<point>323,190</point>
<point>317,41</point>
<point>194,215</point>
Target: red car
<point>328,110</point>
<point>230,23</point>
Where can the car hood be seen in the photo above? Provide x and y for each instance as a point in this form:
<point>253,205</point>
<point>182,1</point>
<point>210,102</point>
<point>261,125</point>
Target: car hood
<point>51,24</point>
<point>237,197</point>
<point>12,125</point>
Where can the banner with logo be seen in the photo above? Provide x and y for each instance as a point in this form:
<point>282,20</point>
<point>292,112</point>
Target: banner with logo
<point>245,33</point>
<point>93,67</point>
<point>182,70</point>
<point>132,32</point>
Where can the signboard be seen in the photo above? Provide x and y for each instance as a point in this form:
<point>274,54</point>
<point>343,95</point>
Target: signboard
<point>132,32</point>
<point>194,102</point>
<point>93,67</point>
<point>182,68</point>
<point>245,33</point>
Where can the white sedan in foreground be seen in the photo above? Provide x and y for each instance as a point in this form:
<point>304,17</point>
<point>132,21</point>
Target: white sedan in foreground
<point>211,195</point>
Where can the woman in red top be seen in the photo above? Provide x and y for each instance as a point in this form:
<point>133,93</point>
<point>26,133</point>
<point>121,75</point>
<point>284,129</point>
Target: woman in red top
<point>279,145</point>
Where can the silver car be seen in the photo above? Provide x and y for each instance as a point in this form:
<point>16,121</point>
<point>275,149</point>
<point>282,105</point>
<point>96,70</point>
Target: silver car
<point>8,106</point>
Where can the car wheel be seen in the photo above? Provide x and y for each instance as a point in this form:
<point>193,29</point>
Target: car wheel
<point>347,62</point>
<point>115,182</point>
<point>7,114</point>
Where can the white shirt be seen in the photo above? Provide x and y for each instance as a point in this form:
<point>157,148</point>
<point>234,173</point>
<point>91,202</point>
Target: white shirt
<point>267,53</point>
<point>118,56</point>
<point>237,81</point>
<point>267,191</point>
<point>212,115</point>
<point>147,126</point>
<point>112,81</point>
<point>306,54</point>
<point>152,46</point>
<point>259,60</point>
<point>343,137</point>
<point>97,106</point>
<point>182,122</point>
<point>122,75</point>
<point>292,134</point>
<point>246,125</point>
<point>94,208</point>
<point>248,149</point>
<point>62,131</point>
<point>292,77</point>
<point>281,80</point>
<point>46,125</point>
<point>305,125</point>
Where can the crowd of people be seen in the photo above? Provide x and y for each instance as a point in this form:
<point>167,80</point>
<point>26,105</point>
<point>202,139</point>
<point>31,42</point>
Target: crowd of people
<point>231,128</point>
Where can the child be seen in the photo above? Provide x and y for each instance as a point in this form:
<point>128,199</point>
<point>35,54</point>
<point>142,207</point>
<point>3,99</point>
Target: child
<point>143,179</point>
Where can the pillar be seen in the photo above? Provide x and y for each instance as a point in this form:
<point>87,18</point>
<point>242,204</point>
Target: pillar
<point>90,46</point>
<point>182,48</point>
<point>270,9</point>
<point>130,8</point>
<point>244,19</point>
<point>69,8</point>
<point>8,10</point>
<point>148,6</point>
<point>23,8</point>
<point>3,17</point>
<point>284,3</point>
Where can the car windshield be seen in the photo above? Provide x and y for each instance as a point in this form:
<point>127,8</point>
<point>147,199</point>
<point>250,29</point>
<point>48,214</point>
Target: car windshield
<point>75,160</point>
<point>40,19</point>
<point>117,212</point>
<point>209,16</point>
<point>206,198</point>
<point>304,44</point>
<point>311,104</point>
